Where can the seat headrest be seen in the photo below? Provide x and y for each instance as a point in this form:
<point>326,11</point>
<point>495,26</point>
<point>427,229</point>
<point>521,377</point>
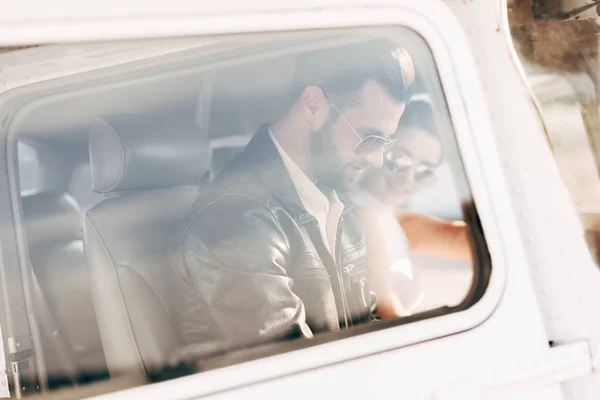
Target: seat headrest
<point>133,152</point>
<point>51,217</point>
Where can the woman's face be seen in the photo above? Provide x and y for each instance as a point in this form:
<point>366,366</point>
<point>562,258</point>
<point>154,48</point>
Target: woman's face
<point>408,167</point>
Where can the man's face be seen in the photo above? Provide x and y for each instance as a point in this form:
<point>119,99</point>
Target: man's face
<point>334,159</point>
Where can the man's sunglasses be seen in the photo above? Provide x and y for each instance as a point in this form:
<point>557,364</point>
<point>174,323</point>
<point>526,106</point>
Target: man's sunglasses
<point>367,144</point>
<point>403,162</point>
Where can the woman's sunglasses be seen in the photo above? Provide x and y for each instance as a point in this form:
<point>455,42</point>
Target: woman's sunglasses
<point>367,144</point>
<point>403,162</point>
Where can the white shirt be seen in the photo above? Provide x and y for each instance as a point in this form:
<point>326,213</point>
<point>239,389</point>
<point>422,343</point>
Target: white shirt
<point>408,287</point>
<point>326,210</point>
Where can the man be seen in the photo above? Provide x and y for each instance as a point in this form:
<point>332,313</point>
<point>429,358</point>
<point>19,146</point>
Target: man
<point>274,250</point>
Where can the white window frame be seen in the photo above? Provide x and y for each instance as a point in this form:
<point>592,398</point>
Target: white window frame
<point>457,72</point>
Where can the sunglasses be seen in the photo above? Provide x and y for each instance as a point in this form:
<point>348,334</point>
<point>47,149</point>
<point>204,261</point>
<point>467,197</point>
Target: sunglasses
<point>403,162</point>
<point>367,144</point>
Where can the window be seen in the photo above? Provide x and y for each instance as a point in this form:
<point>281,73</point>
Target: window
<point>246,198</point>
<point>29,168</point>
<point>80,187</point>
<point>560,60</point>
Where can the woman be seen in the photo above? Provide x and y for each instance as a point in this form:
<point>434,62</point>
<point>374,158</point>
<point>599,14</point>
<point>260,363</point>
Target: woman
<point>409,166</point>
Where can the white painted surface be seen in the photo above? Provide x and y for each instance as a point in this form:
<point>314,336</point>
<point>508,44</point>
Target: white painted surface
<point>4,388</point>
<point>529,223</point>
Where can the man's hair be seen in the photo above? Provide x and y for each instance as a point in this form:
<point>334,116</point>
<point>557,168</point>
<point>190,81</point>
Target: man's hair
<point>419,114</point>
<point>343,71</point>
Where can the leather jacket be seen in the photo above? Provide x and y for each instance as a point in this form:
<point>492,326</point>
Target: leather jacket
<point>252,265</point>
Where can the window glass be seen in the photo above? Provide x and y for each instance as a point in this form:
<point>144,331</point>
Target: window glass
<point>29,168</point>
<point>229,201</point>
<point>560,59</point>
<point>446,280</point>
<point>81,187</point>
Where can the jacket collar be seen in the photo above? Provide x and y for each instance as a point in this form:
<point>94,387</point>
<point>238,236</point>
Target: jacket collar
<point>312,197</point>
<point>262,159</point>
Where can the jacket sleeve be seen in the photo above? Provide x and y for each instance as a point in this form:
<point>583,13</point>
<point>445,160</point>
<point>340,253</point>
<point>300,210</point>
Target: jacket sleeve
<point>235,257</point>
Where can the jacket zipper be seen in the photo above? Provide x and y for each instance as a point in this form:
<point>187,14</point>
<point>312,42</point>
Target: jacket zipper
<point>338,258</point>
<point>362,281</point>
<point>337,250</point>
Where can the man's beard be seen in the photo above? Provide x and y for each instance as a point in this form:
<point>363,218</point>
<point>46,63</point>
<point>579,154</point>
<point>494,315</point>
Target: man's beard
<point>327,166</point>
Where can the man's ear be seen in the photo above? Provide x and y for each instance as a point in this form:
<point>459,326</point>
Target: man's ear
<point>315,106</point>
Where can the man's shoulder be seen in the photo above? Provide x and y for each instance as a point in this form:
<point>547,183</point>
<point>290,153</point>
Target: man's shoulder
<point>236,187</point>
<point>233,193</point>
<point>227,224</point>
<point>229,202</point>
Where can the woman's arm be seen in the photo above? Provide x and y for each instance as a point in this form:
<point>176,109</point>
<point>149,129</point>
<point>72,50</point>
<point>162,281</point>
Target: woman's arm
<point>435,236</point>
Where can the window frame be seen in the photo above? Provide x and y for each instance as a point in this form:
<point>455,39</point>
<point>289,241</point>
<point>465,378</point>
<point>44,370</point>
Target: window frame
<point>473,133</point>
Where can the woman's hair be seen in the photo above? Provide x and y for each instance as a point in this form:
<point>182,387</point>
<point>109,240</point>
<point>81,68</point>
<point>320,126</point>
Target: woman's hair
<point>418,114</point>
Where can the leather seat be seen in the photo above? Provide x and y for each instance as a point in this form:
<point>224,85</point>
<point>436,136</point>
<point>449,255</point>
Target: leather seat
<point>72,346</point>
<point>150,169</point>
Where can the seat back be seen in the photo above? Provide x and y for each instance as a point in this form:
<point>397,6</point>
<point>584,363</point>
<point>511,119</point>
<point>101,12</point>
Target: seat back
<point>72,345</point>
<point>150,168</point>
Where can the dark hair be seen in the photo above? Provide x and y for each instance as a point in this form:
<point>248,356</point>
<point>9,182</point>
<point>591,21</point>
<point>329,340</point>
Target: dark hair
<point>419,114</point>
<point>343,71</point>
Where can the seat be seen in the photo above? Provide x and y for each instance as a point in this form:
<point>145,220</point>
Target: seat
<point>150,169</point>
<point>72,345</point>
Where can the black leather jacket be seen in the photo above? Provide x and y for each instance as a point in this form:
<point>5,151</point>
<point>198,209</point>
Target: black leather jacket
<point>252,264</point>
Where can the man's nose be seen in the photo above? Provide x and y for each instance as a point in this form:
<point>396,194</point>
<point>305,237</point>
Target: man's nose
<point>375,158</point>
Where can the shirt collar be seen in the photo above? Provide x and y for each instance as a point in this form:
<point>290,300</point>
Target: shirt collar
<point>311,197</point>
